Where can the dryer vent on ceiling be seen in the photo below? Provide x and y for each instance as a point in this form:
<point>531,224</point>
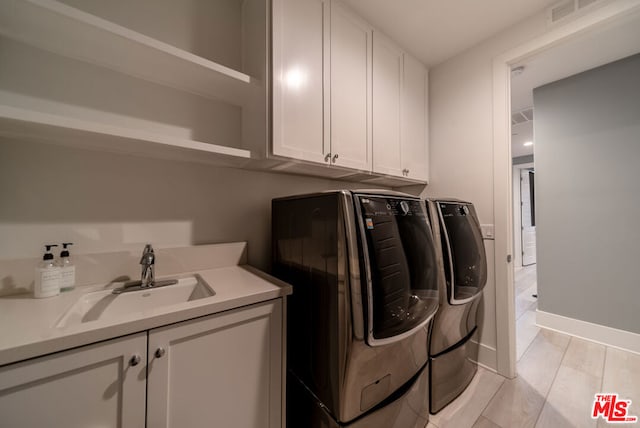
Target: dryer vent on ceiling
<point>565,8</point>
<point>521,116</point>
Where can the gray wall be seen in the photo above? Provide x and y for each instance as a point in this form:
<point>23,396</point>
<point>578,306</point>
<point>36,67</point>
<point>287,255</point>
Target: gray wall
<point>587,136</point>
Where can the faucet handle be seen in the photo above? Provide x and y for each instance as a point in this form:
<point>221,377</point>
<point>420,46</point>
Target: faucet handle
<point>148,256</point>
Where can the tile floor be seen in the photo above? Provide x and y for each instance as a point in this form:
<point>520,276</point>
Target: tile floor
<point>558,376</point>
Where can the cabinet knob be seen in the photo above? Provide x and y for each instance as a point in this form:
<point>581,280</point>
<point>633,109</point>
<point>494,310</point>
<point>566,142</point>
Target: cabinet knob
<point>335,157</point>
<point>160,352</point>
<point>407,172</point>
<point>327,157</point>
<point>135,360</point>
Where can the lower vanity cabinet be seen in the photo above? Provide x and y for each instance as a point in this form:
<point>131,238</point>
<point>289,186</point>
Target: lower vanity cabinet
<point>222,370</point>
<point>99,385</point>
<point>219,371</point>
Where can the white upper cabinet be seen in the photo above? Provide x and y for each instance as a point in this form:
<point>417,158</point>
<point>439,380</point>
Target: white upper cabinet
<point>387,105</point>
<point>400,146</point>
<point>299,89</point>
<point>346,95</point>
<point>350,89</point>
<point>414,131</point>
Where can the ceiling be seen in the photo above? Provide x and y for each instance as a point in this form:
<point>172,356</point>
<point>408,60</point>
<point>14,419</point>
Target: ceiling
<point>436,30</point>
<point>603,45</point>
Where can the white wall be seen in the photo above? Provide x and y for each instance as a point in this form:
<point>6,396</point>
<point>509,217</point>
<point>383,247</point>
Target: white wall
<point>107,202</point>
<point>461,138</point>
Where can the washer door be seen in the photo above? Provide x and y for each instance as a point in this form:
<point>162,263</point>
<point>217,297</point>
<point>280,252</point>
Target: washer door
<point>465,261</point>
<point>399,266</point>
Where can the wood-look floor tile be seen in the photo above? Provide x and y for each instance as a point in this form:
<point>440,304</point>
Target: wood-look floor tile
<point>578,379</point>
<point>483,422</point>
<point>524,278</point>
<point>516,404</point>
<point>540,363</point>
<point>526,331</point>
<point>465,410</point>
<point>519,401</point>
<point>525,301</point>
<point>622,376</point>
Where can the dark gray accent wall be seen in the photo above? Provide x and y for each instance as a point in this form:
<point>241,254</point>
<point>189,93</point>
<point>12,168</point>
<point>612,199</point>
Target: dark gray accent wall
<point>587,134</point>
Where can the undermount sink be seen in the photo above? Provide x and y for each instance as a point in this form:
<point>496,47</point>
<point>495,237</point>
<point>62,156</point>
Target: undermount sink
<point>102,305</point>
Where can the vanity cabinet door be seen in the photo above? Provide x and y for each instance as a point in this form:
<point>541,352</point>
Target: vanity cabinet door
<point>223,370</point>
<point>100,385</point>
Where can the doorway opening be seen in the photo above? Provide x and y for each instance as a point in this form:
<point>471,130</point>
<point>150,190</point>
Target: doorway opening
<point>506,239</point>
<point>524,262</point>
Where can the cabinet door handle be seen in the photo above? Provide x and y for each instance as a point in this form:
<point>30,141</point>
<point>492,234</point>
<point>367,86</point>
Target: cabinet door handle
<point>335,157</point>
<point>407,172</point>
<point>135,360</point>
<point>327,157</point>
<point>160,352</point>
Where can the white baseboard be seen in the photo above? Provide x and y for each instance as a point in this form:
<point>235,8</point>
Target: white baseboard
<point>604,335</point>
<point>487,356</point>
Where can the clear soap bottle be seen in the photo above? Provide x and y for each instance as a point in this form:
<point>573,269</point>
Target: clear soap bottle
<point>47,280</point>
<point>67,269</point>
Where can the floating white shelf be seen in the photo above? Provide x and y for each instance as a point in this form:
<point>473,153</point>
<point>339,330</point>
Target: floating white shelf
<point>29,124</point>
<point>64,30</point>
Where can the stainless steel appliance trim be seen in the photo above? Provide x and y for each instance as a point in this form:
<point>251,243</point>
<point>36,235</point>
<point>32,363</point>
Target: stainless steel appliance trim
<point>353,264</point>
<point>371,340</point>
<point>451,286</point>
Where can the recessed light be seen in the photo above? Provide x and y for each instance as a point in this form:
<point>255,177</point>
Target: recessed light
<point>528,143</point>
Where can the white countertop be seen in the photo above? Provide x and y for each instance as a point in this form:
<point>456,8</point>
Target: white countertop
<point>28,326</point>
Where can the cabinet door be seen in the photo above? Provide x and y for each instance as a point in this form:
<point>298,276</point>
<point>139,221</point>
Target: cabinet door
<point>92,386</point>
<point>224,370</point>
<point>300,93</point>
<point>350,89</point>
<point>387,105</point>
<point>415,139</point>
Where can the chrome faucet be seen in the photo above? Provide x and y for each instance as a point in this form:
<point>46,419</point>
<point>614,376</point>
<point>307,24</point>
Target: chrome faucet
<point>147,277</point>
<point>147,261</point>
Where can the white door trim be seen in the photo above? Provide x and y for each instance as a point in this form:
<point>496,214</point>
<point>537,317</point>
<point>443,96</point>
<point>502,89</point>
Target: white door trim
<point>515,186</point>
<point>527,230</point>
<point>502,179</point>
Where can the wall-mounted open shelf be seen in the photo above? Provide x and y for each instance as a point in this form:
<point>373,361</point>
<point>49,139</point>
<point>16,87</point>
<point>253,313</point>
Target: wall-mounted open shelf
<point>29,124</point>
<point>64,30</point>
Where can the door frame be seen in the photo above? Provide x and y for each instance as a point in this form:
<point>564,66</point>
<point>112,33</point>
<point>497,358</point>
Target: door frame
<point>502,173</point>
<point>529,172</point>
<point>517,223</point>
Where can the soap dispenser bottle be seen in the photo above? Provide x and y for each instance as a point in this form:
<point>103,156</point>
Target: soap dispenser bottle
<point>67,269</point>
<point>47,281</point>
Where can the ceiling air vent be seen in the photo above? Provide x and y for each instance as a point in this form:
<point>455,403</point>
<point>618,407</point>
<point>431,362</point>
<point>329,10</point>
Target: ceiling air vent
<point>522,116</point>
<point>565,8</point>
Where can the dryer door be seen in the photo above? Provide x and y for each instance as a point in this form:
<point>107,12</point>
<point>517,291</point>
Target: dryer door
<point>399,266</point>
<point>465,261</point>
